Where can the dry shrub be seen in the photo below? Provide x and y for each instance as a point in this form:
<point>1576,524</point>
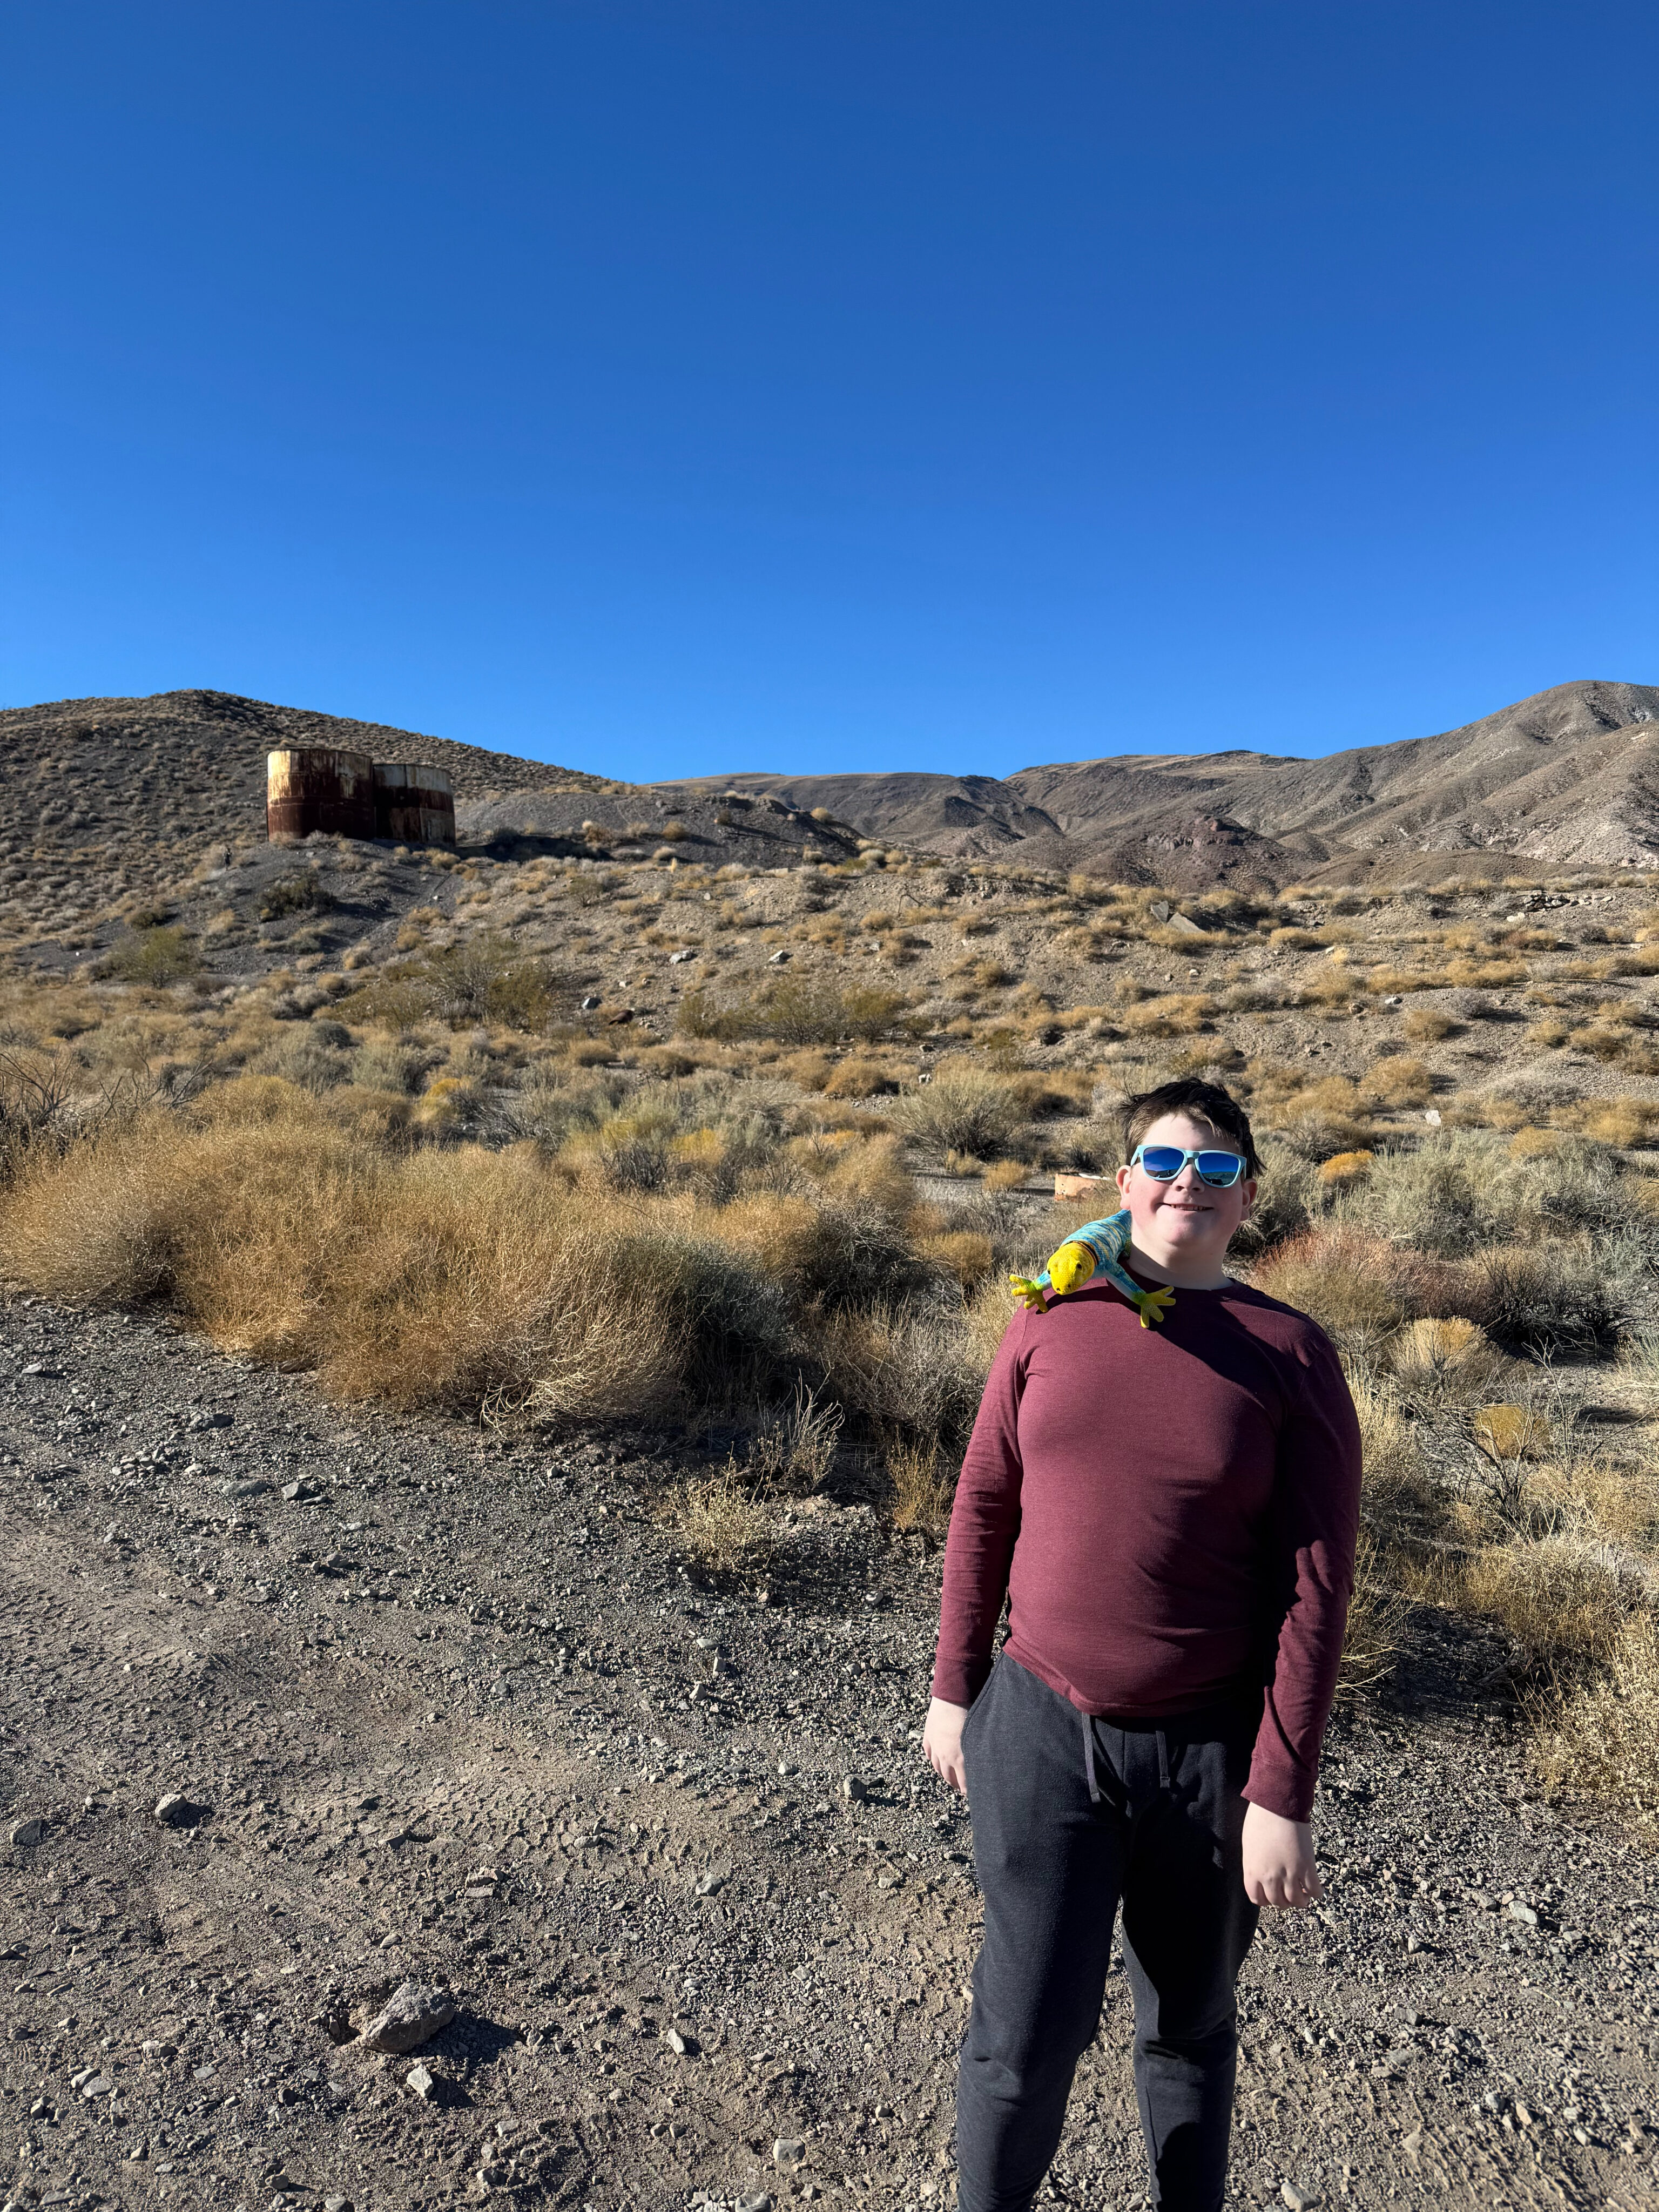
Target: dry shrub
<point>860,1079</point>
<point>810,1070</point>
<point>1009,1175</point>
<point>1436,1352</point>
<point>465,1279</point>
<point>1621,1121</point>
<point>1377,1612</point>
<point>923,1482</point>
<point>1559,1600</point>
<point>964,1253</point>
<point>1489,974</point>
<point>1427,1024</point>
<point>1507,1432</point>
<point>1601,1740</point>
<point>795,1451</point>
<point>964,1108</point>
<point>1542,1298</point>
<point>1345,1168</point>
<point>1354,1284</point>
<point>1396,1083</point>
<point>910,1372</point>
<point>723,1522</point>
<point>1178,1014</point>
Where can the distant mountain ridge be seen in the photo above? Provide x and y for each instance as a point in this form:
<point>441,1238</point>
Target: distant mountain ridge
<point>1569,777</point>
<point>98,791</point>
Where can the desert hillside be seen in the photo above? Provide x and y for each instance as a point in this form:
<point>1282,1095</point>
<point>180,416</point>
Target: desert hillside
<point>1570,776</point>
<point>487,1340</point>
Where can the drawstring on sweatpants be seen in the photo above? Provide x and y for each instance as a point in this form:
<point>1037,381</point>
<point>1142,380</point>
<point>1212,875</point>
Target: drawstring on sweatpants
<point>1089,1756</point>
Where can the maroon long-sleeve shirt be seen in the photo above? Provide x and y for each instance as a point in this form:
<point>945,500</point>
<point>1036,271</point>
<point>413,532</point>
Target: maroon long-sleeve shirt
<point>1172,1514</point>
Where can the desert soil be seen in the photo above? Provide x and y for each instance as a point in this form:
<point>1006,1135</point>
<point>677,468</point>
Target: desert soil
<point>453,1709</point>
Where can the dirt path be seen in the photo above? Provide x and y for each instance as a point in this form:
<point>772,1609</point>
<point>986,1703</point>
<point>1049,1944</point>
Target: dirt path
<point>453,1711</point>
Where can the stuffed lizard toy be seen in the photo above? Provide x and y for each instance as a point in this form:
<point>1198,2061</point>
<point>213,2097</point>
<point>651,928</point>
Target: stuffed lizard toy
<point>1095,1249</point>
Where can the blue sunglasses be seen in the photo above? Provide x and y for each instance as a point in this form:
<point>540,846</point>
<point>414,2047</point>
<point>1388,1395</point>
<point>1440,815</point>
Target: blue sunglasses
<point>1163,1163</point>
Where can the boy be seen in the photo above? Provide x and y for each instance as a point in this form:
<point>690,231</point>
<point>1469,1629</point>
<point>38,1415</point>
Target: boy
<point>1171,1511</point>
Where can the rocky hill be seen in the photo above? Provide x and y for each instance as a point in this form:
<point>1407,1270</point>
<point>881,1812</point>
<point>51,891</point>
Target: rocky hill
<point>104,797</point>
<point>1570,776</point>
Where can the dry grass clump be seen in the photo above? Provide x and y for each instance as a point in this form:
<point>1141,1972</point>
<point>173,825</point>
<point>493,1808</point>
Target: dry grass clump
<point>793,1011</point>
<point>1177,1013</point>
<point>923,1483</point>
<point>1345,1168</point>
<point>1427,1025</point>
<point>1600,1738</point>
<point>1429,1354</point>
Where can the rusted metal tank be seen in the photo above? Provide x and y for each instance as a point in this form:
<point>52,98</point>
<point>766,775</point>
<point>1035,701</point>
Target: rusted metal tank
<point>413,802</point>
<point>318,787</point>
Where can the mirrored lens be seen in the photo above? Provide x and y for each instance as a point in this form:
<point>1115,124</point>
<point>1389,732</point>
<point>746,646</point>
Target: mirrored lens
<point>1162,1161</point>
<point>1222,1168</point>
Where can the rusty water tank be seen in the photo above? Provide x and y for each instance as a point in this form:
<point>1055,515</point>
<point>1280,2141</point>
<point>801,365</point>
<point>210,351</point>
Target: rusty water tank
<point>310,789</point>
<point>413,802</point>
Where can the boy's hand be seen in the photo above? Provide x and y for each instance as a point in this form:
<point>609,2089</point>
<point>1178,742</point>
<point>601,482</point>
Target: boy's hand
<point>941,1741</point>
<point>1280,1867</point>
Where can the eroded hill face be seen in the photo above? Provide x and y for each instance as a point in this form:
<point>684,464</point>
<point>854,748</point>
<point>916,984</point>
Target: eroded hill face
<point>1570,776</point>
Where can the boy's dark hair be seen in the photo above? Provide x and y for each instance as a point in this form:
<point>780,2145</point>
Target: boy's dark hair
<point>1199,1102</point>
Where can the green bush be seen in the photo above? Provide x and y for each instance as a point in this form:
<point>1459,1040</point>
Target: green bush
<point>301,892</point>
<point>157,957</point>
<point>487,980</point>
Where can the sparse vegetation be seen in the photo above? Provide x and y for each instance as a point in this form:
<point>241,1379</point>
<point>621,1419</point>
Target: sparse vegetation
<point>552,1136</point>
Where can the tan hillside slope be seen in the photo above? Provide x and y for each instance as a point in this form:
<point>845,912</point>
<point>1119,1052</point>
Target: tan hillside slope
<point>1568,775</point>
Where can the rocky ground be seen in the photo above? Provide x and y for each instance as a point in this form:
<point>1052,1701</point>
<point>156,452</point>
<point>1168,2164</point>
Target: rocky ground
<point>446,1706</point>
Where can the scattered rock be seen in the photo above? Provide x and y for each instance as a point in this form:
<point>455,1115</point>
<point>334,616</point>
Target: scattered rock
<point>412,2015</point>
<point>176,1811</point>
<point>682,2046</point>
<point>708,1883</point>
<point>302,1491</point>
<point>779,959</point>
<point>25,1834</point>
<point>100,2085</point>
<point>854,1791</point>
<point>254,1487</point>
<point>421,2081</point>
<point>1297,2196</point>
<point>788,2151</point>
<point>1523,1913</point>
<point>679,959</point>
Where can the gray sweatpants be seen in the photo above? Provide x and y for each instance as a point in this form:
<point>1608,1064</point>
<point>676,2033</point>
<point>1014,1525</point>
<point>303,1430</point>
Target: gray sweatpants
<point>1071,1815</point>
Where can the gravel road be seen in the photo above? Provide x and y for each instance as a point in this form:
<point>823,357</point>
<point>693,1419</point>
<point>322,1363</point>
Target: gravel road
<point>447,1708</point>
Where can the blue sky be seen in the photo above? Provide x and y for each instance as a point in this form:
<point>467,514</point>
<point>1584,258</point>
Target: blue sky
<point>775,384</point>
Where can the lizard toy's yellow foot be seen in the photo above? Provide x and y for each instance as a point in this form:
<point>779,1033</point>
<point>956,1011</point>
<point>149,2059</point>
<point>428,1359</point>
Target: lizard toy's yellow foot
<point>1154,1304</point>
<point>1028,1293</point>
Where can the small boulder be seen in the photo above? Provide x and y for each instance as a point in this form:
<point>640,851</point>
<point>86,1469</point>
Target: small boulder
<point>25,1834</point>
<point>410,2016</point>
<point>175,1811</point>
